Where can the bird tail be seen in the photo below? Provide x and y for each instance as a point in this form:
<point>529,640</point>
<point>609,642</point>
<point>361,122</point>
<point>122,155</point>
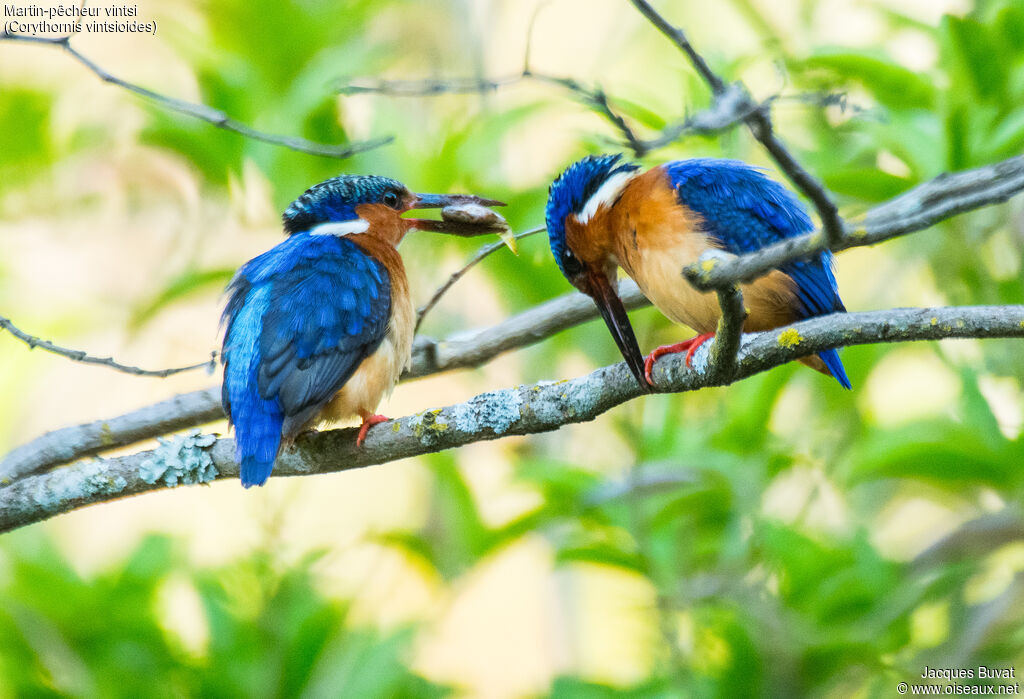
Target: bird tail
<point>835,367</point>
<point>257,441</point>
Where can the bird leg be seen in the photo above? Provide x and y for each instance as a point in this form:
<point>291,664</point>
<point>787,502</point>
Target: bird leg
<point>689,346</point>
<point>368,422</point>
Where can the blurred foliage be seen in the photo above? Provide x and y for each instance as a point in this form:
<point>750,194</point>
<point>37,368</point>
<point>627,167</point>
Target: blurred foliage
<point>750,601</point>
<point>263,630</point>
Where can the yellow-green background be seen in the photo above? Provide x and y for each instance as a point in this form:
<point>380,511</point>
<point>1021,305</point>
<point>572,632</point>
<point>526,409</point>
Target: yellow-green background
<point>760,539</point>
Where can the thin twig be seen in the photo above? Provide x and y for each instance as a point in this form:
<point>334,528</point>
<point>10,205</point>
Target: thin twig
<point>427,87</point>
<point>79,356</point>
<point>678,37</point>
<point>482,253</point>
<point>541,407</point>
<point>205,112</point>
<point>727,109</point>
<point>760,126</point>
<point>593,97</point>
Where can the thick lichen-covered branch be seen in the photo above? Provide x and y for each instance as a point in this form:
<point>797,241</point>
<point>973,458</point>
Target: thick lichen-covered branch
<point>430,356</point>
<point>540,407</point>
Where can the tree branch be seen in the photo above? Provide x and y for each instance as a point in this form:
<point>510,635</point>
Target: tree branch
<point>79,356</point>
<point>918,208</point>
<point>728,334</point>
<point>921,207</point>
<point>541,407</point>
<point>462,350</point>
<point>594,97</point>
<point>760,125</point>
<point>728,108</point>
<point>204,112</point>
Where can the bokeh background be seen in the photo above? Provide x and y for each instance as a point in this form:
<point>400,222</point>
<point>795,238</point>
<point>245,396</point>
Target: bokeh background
<point>777,537</point>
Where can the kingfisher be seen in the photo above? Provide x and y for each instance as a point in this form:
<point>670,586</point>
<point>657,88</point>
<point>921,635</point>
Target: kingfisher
<point>320,326</point>
<point>604,213</point>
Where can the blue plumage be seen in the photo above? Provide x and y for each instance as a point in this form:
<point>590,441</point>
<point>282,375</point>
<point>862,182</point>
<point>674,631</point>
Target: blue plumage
<point>300,319</point>
<point>336,199</point>
<point>744,211</point>
<point>569,193</point>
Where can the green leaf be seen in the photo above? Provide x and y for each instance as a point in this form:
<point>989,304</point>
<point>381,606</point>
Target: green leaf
<point>890,83</point>
<point>25,136</point>
<point>639,113</point>
<point>188,283</point>
<point>957,130</point>
<point>933,451</point>
<point>602,554</point>
<point>1007,139</point>
<point>973,51</point>
<point>867,184</point>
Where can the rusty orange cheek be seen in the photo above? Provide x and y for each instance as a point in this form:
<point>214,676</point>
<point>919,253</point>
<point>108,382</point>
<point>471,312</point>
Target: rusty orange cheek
<point>377,214</point>
<point>585,241</point>
<point>385,223</point>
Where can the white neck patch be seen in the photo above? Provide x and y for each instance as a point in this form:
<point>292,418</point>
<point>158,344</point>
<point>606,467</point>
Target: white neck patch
<point>339,228</point>
<point>606,194</point>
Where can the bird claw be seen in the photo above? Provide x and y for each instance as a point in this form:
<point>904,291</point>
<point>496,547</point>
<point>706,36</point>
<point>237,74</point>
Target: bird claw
<point>368,422</point>
<point>689,346</point>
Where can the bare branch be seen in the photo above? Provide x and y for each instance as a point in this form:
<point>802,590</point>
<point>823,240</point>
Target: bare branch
<point>482,253</point>
<point>921,207</point>
<point>727,109</point>
<point>593,97</point>
<point>727,334</point>
<point>678,37</point>
<point>205,112</point>
<point>542,407</point>
<point>730,107</point>
<point>427,87</point>
<point>430,356</point>
<point>760,126</point>
<point>974,540</point>
<point>79,356</point>
<point>71,443</point>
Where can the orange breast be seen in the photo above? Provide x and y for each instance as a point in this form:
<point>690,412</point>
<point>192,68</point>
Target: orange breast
<point>377,375</point>
<point>654,236</point>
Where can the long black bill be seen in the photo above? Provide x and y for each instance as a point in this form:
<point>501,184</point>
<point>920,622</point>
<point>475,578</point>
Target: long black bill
<point>614,314</point>
<point>464,215</point>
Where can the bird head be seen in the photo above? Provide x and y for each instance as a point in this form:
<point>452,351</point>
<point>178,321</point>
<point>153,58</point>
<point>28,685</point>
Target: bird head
<point>581,249</point>
<point>358,203</point>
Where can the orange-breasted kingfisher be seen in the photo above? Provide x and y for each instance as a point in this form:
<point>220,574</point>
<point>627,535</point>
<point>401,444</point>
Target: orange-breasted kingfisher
<point>603,213</point>
<point>320,326</point>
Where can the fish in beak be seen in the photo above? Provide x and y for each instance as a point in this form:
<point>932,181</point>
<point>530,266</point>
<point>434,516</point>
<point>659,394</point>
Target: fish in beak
<point>464,215</point>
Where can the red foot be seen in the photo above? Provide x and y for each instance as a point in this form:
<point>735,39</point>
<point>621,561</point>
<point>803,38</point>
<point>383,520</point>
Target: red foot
<point>689,346</point>
<point>368,422</point>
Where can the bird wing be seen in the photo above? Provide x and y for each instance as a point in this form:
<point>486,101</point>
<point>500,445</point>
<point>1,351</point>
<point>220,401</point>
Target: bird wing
<point>325,307</point>
<point>744,210</point>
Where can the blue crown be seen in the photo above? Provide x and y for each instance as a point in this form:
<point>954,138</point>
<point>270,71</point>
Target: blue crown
<point>336,199</point>
<point>571,191</point>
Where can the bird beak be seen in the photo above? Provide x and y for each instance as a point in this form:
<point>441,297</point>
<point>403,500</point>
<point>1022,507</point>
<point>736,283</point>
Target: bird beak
<point>466,228</point>
<point>614,313</point>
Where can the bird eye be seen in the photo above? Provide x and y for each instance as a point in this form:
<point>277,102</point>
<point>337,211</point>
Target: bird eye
<point>571,264</point>
<point>392,199</point>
